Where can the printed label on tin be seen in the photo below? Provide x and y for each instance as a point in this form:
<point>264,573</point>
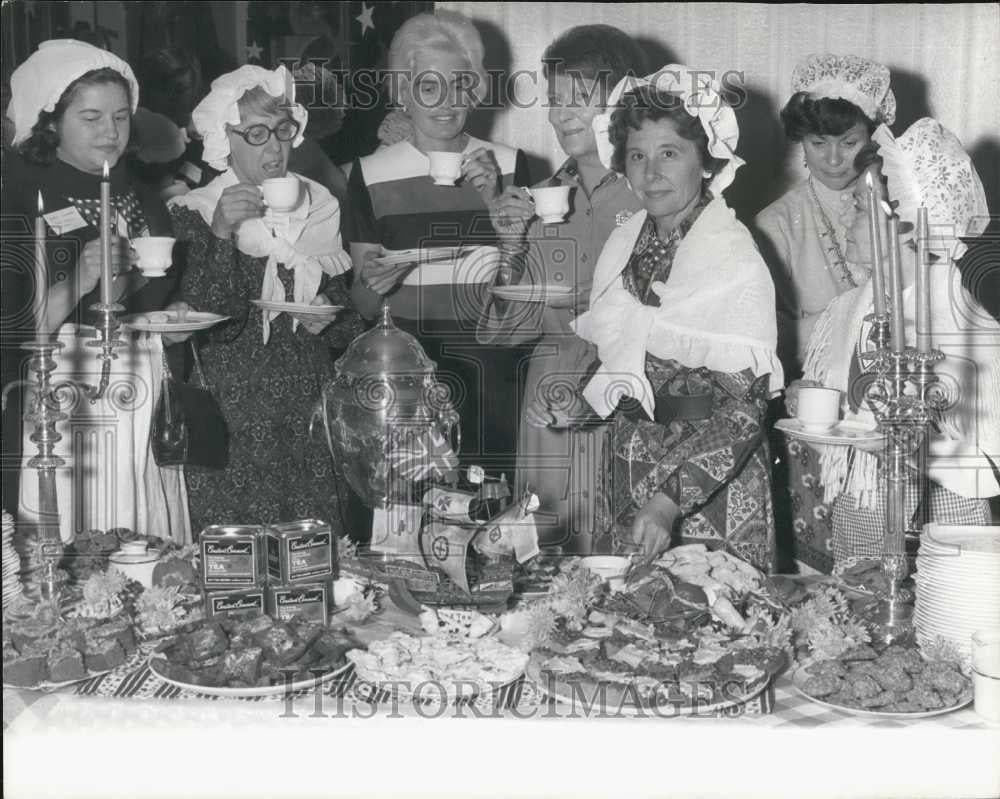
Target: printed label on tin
<point>237,604</point>
<point>309,602</point>
<point>309,556</point>
<point>229,562</point>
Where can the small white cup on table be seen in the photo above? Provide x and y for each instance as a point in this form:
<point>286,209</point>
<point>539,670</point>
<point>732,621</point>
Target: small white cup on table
<point>986,673</point>
<point>818,408</point>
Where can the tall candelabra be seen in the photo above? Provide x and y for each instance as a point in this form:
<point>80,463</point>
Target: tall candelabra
<point>43,413</point>
<point>906,398</point>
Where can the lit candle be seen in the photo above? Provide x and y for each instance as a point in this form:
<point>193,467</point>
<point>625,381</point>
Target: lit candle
<point>895,280</point>
<point>106,277</point>
<point>874,230</point>
<point>41,274</point>
<point>923,299</point>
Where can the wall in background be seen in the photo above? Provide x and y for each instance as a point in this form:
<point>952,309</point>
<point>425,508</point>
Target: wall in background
<point>944,60</point>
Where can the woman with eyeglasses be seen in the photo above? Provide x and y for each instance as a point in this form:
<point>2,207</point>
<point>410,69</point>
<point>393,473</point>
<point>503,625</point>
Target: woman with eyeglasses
<point>265,368</point>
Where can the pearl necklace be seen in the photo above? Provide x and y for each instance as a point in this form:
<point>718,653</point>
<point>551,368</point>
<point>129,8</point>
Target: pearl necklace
<point>839,261</point>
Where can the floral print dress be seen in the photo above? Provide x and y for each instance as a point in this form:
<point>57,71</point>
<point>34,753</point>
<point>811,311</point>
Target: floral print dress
<point>711,457</point>
<point>276,471</point>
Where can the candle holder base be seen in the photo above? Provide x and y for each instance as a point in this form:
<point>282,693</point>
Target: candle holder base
<point>889,620</point>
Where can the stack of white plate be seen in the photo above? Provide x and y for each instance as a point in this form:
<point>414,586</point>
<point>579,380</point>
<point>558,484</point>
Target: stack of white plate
<point>11,562</point>
<point>958,583</point>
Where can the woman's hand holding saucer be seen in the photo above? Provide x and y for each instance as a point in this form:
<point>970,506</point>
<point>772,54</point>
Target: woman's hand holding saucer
<point>237,204</point>
<point>382,278</point>
<point>316,326</point>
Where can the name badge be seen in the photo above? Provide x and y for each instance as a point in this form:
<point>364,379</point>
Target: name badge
<point>65,220</point>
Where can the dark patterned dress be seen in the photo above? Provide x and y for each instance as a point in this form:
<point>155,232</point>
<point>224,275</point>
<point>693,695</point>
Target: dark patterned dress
<point>267,391</point>
<point>708,451</point>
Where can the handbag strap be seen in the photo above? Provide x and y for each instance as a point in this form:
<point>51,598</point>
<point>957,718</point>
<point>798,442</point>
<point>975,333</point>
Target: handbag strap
<point>198,370</point>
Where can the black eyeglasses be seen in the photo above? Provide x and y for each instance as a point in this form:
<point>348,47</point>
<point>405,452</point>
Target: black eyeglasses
<point>259,134</point>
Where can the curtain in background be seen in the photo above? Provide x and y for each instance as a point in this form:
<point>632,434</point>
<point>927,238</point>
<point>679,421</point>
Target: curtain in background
<point>944,61</point>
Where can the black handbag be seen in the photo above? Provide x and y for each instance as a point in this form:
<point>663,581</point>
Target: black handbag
<point>188,426</point>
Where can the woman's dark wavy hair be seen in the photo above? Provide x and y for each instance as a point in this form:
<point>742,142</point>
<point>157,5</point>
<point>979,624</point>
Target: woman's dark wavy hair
<point>647,104</point>
<point>40,147</point>
<point>594,52</point>
<point>826,116</point>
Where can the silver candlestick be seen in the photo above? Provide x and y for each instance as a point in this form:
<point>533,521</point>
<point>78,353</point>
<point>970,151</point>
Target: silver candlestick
<point>906,397</point>
<point>44,414</point>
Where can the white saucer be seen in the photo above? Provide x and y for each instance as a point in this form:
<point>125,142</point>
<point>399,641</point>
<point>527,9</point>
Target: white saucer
<point>535,292</point>
<point>844,433</point>
<point>172,321</point>
<point>299,309</point>
<point>423,255</point>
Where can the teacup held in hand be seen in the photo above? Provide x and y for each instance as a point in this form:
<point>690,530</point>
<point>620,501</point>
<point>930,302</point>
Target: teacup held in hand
<point>154,254</point>
<point>446,168</point>
<point>551,203</point>
<point>818,407</point>
<point>281,194</point>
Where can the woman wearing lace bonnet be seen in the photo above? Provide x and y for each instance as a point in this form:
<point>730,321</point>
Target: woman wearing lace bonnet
<point>837,104</point>
<point>925,166</point>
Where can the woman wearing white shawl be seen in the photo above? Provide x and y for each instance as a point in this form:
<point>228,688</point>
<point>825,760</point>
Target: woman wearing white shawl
<point>682,313</point>
<point>925,166</point>
<point>265,368</point>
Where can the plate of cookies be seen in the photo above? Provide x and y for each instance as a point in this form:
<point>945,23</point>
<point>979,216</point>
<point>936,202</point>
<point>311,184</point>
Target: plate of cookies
<point>898,683</point>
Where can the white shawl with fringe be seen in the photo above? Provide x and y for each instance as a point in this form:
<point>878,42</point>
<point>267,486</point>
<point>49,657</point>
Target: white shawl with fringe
<point>970,371</point>
<point>306,240</point>
<point>716,310</point>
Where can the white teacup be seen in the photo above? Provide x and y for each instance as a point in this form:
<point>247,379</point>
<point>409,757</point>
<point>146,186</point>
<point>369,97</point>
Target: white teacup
<point>818,407</point>
<point>446,168</point>
<point>551,203</point>
<point>155,254</point>
<point>986,673</point>
<point>281,194</point>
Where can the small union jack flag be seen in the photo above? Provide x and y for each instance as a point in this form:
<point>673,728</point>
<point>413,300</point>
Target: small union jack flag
<point>421,455</point>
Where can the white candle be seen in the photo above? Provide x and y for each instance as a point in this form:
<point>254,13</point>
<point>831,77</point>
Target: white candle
<point>923,299</point>
<point>106,276</point>
<point>41,274</point>
<point>895,280</point>
<point>874,227</point>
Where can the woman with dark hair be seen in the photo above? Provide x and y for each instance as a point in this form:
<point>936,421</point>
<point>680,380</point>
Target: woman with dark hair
<point>836,104</point>
<point>682,316</point>
<point>581,68</point>
<point>72,106</point>
<point>166,151</point>
<point>925,167</point>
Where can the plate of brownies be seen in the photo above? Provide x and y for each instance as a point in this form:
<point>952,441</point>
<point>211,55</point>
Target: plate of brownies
<point>252,655</point>
<point>46,651</point>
